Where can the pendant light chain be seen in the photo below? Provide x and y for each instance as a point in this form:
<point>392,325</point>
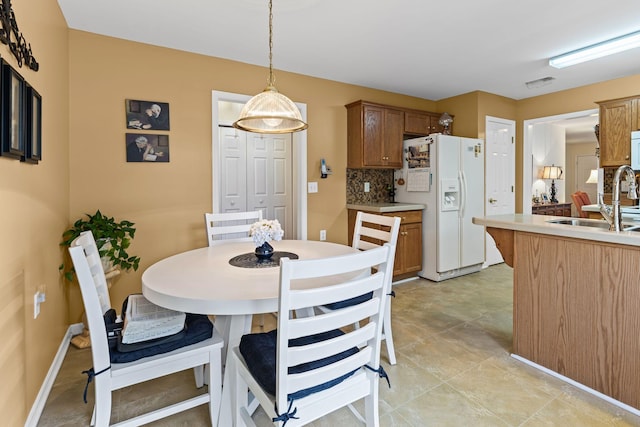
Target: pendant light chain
<point>271,79</point>
<point>270,111</point>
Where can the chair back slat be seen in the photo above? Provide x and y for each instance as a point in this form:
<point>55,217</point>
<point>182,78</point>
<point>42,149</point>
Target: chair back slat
<point>296,382</point>
<point>335,319</point>
<point>376,230</point>
<point>350,269</point>
<point>230,225</point>
<point>322,349</point>
<point>91,279</point>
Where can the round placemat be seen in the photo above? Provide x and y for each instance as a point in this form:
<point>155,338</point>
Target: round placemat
<point>250,260</point>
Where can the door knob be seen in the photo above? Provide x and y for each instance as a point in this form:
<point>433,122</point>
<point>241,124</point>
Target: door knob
<point>492,200</point>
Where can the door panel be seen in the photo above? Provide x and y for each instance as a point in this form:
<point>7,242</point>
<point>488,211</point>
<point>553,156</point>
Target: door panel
<point>233,165</point>
<point>499,176</point>
<point>256,174</point>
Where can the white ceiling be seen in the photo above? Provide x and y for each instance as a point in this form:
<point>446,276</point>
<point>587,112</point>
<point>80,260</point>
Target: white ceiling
<point>421,48</point>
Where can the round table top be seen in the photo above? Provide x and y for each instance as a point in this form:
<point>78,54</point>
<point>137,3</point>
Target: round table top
<point>202,280</point>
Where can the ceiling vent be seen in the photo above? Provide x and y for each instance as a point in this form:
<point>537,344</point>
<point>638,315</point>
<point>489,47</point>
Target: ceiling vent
<point>540,82</point>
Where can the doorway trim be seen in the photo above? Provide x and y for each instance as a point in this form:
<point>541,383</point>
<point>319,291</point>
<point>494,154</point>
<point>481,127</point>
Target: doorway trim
<point>299,157</point>
<point>527,143</point>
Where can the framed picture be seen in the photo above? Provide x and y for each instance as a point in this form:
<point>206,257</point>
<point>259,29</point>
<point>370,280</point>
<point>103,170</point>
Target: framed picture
<point>13,112</point>
<point>33,135</point>
<point>147,115</point>
<point>545,198</point>
<point>148,148</point>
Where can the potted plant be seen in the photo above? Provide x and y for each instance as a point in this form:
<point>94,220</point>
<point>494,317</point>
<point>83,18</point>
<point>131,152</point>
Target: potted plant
<point>113,239</point>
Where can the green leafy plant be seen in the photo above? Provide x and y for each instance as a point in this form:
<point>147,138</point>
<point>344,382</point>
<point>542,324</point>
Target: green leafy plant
<point>113,239</point>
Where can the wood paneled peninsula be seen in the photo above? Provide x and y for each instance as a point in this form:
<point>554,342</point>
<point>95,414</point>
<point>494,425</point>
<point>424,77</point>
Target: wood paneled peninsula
<point>576,301</point>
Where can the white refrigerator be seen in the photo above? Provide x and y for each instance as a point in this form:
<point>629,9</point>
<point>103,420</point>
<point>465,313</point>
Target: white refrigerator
<point>446,173</point>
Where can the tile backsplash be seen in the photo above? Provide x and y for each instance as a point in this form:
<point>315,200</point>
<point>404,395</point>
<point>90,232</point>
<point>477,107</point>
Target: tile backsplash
<point>380,181</point>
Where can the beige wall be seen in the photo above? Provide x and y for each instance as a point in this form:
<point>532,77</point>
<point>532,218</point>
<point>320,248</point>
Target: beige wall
<point>167,201</point>
<point>34,203</point>
<point>84,166</point>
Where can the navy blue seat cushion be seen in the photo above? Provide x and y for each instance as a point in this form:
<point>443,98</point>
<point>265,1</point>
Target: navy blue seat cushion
<point>349,302</point>
<point>259,352</point>
<point>198,328</point>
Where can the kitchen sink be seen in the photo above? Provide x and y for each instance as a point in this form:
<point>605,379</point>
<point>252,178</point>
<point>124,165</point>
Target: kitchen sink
<point>595,223</point>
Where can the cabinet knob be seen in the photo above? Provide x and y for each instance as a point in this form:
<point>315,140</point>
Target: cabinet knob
<point>626,157</point>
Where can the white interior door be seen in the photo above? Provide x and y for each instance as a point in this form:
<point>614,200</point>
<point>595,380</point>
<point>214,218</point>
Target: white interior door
<point>499,176</point>
<point>269,177</point>
<point>256,173</point>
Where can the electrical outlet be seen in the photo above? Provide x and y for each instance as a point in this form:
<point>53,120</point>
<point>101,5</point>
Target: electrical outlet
<point>367,187</point>
<point>323,235</point>
<point>38,298</point>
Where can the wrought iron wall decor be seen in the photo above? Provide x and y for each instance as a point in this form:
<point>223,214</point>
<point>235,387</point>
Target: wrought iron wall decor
<point>11,36</point>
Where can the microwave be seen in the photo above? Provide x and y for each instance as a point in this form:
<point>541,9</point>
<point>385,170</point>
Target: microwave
<point>635,150</point>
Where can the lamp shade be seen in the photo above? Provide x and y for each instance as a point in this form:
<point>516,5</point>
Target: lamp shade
<point>593,177</point>
<point>552,172</point>
<point>270,112</point>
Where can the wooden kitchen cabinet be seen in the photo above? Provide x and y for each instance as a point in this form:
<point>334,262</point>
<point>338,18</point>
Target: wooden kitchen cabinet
<point>422,123</point>
<point>618,118</point>
<point>408,258</point>
<point>374,136</point>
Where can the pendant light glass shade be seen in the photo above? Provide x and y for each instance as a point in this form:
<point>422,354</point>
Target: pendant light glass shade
<point>270,111</point>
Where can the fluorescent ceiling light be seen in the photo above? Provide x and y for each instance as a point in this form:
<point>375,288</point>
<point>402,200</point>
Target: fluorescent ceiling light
<point>598,50</point>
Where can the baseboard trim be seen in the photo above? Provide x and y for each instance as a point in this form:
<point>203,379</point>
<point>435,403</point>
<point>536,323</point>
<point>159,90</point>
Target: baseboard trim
<point>49,380</point>
<point>583,387</point>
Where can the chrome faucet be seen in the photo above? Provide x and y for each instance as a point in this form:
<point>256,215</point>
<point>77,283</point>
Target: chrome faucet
<point>613,214</point>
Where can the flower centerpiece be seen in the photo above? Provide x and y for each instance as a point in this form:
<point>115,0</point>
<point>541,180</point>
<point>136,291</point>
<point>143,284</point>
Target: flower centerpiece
<point>262,233</point>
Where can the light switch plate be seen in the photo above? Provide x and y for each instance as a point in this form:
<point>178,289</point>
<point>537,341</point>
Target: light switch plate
<point>312,187</point>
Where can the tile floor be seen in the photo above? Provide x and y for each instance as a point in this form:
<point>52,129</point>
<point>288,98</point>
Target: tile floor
<point>452,342</point>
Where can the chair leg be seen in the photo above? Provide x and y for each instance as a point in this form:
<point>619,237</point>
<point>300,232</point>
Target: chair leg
<point>102,409</point>
<point>214,379</point>
<point>388,334</point>
<point>199,373</point>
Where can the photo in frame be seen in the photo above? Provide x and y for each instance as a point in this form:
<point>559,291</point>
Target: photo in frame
<point>147,115</point>
<point>148,148</point>
<point>13,113</point>
<point>33,128</point>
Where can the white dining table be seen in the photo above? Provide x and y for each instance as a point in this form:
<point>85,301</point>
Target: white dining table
<point>203,281</point>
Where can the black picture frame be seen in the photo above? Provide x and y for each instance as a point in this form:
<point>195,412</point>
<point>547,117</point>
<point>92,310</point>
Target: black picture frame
<point>33,126</point>
<point>147,115</point>
<point>13,113</point>
<point>158,148</point>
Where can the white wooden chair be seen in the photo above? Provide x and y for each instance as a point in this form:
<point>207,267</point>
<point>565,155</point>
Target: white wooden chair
<point>311,367</point>
<point>230,225</point>
<point>385,230</point>
<point>362,239</point>
<point>235,226</point>
<point>109,376</point>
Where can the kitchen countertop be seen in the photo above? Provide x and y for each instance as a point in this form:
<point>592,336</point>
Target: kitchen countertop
<point>628,212</point>
<point>539,224</point>
<point>386,207</point>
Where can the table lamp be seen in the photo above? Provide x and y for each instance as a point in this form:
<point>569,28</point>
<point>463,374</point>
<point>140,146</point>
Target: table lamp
<point>552,172</point>
<point>593,177</point>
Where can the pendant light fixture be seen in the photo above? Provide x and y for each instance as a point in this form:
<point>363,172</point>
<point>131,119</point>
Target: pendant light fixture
<point>270,111</point>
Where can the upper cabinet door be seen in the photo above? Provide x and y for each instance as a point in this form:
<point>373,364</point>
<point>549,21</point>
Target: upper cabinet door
<point>618,118</point>
<point>374,136</point>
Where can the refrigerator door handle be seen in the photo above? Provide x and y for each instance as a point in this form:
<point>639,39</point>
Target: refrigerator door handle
<point>463,193</point>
